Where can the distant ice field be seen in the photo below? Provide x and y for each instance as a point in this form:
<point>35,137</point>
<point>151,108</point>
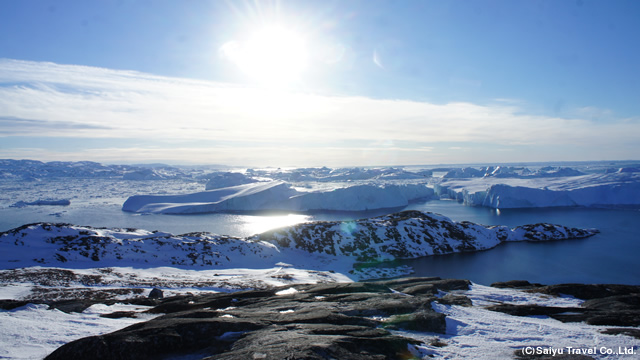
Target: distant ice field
<point>609,257</point>
<point>98,203</point>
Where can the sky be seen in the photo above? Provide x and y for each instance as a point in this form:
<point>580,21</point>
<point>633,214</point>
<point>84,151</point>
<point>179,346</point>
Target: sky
<point>320,83</point>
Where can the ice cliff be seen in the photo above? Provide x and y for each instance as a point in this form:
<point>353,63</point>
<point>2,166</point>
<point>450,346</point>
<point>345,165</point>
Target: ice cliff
<point>609,189</point>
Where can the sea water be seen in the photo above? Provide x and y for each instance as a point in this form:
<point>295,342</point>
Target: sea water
<point>612,256</point>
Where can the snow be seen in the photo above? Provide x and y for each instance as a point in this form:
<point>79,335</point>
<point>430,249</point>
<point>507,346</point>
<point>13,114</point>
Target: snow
<point>278,195</point>
<point>33,331</point>
<point>289,291</point>
<point>23,284</point>
<point>477,333</point>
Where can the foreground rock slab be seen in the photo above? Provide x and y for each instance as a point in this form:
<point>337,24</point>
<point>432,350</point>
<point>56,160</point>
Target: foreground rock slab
<point>323,321</point>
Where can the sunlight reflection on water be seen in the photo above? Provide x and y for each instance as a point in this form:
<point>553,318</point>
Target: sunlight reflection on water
<point>261,223</point>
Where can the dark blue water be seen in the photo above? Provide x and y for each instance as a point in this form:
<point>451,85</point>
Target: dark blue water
<point>613,256</point>
<point>609,257</point>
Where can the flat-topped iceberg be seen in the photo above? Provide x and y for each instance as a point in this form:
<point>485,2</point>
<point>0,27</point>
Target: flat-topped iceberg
<point>277,195</point>
<point>609,189</point>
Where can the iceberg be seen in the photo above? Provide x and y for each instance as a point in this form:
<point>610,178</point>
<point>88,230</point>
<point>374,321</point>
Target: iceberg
<point>227,179</point>
<point>278,195</point>
<point>608,189</point>
<point>249,197</point>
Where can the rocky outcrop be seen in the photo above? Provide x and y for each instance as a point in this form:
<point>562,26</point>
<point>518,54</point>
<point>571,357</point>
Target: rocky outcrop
<point>340,321</point>
<point>408,234</point>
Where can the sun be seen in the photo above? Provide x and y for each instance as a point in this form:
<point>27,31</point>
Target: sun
<point>271,54</point>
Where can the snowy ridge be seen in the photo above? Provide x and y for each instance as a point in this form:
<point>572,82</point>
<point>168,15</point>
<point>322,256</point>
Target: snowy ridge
<point>336,245</point>
<point>278,195</point>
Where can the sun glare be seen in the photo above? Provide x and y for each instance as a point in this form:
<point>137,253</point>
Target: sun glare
<point>260,224</point>
<point>272,55</point>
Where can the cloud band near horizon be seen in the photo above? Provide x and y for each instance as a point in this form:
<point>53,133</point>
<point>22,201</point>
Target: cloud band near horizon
<point>194,121</point>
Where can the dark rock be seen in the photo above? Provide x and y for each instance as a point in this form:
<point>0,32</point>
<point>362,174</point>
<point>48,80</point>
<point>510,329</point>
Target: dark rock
<point>422,289</point>
<point>347,288</point>
<point>624,331</point>
<point>158,337</point>
<point>532,310</point>
<point>70,306</point>
<point>319,321</point>
<point>587,292</point>
<point>450,299</point>
<point>425,285</point>
<point>419,321</point>
<point>451,284</point>
<point>156,294</point>
<point>615,302</point>
<point>515,284</point>
<point>406,281</point>
<point>6,304</point>
<point>298,343</point>
<point>614,318</point>
<point>120,315</point>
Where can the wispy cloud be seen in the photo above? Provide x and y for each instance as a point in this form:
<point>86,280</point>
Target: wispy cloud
<point>10,125</point>
<point>46,99</point>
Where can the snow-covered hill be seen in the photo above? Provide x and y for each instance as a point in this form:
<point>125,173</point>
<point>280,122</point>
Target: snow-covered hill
<point>334,244</point>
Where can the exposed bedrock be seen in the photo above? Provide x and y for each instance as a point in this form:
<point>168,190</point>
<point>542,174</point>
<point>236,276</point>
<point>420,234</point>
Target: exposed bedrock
<point>340,321</point>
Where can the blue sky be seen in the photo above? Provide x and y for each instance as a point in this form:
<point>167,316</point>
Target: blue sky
<point>310,83</point>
